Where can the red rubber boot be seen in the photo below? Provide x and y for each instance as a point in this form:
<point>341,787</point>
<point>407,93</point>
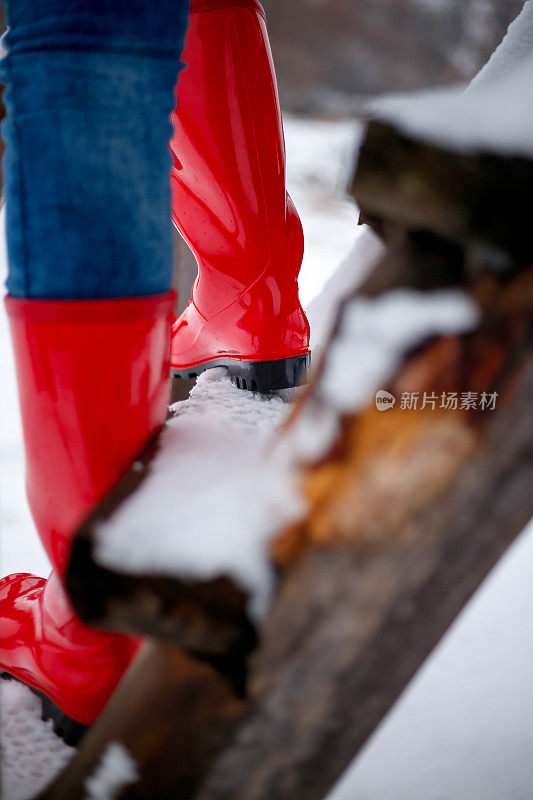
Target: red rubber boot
<point>93,386</point>
<point>230,203</point>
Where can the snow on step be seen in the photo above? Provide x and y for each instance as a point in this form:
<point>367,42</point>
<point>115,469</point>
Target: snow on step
<point>212,500</point>
<point>219,491</point>
<point>494,114</point>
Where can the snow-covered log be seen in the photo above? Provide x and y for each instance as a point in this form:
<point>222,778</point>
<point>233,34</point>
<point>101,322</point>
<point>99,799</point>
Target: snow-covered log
<point>410,454</point>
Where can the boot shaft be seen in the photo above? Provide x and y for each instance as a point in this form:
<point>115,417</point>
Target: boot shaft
<point>230,203</point>
<point>93,387</point>
<point>228,179</point>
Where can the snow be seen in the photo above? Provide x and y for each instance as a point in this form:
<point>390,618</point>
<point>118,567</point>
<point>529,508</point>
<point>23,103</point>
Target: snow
<point>494,118</point>
<point>516,47</point>
<point>310,436</point>
<point>373,336</point>
<point>376,333</point>
<point>360,261</point>
<point>207,504</point>
<point>463,729</point>
<point>31,753</point>
<point>494,114</point>
<point>319,163</point>
<point>115,771</point>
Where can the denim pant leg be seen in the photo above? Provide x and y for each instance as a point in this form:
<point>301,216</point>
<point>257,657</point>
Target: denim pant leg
<point>90,86</point>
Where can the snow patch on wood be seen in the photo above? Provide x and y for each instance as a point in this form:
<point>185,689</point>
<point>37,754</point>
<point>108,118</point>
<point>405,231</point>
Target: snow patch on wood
<point>222,487</point>
<point>374,336</point>
<point>376,333</point>
<point>115,771</point>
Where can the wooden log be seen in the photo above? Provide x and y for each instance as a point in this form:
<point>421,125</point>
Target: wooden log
<point>383,467</point>
<point>406,517</point>
<point>481,199</point>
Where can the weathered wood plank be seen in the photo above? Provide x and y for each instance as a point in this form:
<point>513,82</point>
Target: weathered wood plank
<point>483,199</point>
<point>383,563</point>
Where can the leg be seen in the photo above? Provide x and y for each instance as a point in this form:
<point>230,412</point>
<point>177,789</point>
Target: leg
<point>230,203</point>
<point>90,89</point>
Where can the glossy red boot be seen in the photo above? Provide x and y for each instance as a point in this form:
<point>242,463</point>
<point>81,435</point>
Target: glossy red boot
<point>93,387</point>
<point>73,668</point>
<point>230,203</point>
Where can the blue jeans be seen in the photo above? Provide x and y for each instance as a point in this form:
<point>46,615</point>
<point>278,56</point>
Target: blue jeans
<point>90,86</point>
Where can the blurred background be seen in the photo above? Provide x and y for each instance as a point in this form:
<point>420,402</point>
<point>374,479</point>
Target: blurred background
<point>329,55</point>
<point>330,52</point>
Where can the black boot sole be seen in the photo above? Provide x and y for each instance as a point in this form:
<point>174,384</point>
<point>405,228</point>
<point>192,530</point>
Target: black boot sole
<point>257,376</point>
<point>65,727</point>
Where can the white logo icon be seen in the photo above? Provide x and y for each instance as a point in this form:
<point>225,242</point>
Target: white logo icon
<point>384,400</point>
